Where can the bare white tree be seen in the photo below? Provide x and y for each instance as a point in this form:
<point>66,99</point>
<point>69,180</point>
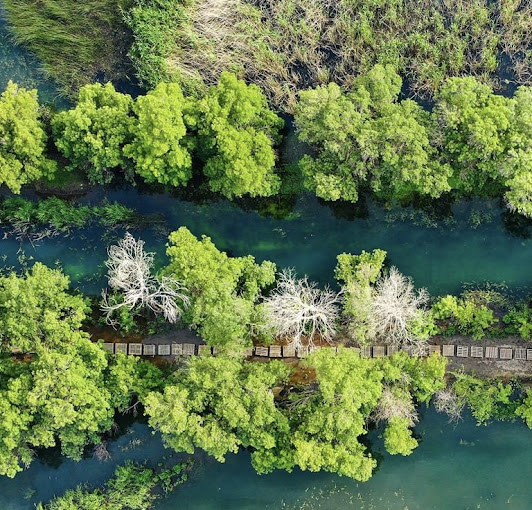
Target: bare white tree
<point>298,308</point>
<point>391,405</point>
<point>130,272</point>
<point>447,401</point>
<point>396,305</point>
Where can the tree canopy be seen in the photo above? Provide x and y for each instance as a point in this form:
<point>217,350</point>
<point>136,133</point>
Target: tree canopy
<point>236,131</point>
<point>223,290</point>
<point>161,149</point>
<point>366,138</point>
<point>93,133</point>
<point>23,139</point>
<point>36,310</point>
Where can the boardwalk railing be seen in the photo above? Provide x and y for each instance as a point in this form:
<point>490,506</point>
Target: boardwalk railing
<point>283,351</point>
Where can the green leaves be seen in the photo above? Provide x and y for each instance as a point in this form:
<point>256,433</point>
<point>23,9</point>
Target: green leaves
<point>219,404</point>
<point>365,138</point>
<point>95,131</point>
<point>22,139</point>
<point>161,148</point>
<point>223,290</point>
<point>37,311</point>
<point>236,133</point>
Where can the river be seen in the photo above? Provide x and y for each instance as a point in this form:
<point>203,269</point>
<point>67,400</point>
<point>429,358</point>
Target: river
<point>455,467</point>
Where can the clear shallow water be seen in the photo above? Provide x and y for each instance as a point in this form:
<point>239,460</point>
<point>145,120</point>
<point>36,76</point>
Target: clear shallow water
<point>440,256</point>
<point>455,467</point>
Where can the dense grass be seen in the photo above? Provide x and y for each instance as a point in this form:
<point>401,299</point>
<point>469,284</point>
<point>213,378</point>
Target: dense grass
<point>76,40</point>
<point>288,45</point>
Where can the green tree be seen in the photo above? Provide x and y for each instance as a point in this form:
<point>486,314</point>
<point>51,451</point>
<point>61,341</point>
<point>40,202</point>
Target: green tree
<point>463,315</point>
<point>23,139</point>
<point>327,419</point>
<point>398,437</point>
<point>236,132</point>
<point>223,290</point>
<point>473,125</point>
<point>36,310</point>
<point>161,148</point>
<point>61,396</point>
<point>486,398</point>
<point>357,274</point>
<point>366,138</point>
<point>524,410</point>
<point>219,405</point>
<point>93,133</point>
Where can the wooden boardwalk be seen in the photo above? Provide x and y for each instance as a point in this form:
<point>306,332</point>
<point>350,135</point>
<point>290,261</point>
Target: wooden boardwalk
<point>283,351</point>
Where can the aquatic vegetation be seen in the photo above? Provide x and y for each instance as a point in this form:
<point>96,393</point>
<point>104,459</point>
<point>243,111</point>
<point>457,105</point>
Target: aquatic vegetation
<point>287,46</point>
<point>132,486</point>
<point>76,42</point>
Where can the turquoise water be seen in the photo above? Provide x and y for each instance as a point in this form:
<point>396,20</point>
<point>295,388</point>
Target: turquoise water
<point>455,467</point>
<point>440,256</point>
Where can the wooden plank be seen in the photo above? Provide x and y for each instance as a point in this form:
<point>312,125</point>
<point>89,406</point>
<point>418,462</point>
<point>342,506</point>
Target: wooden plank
<point>163,349</point>
<point>365,352</point>
<point>177,349</point>
<point>120,348</point>
<point>434,349</point>
<point>379,351</point>
<point>302,352</point>
<point>391,350</point>
<point>248,352</point>
<point>261,351</point>
<point>448,350</point>
<point>529,354</point>
<point>189,349</point>
<point>462,351</point>
<point>275,351</point>
<point>409,350</point>
<point>148,350</point>
<point>492,352</point>
<point>477,351</point>
<point>289,351</point>
<point>355,349</point>
<point>134,349</point>
<point>107,346</point>
<point>314,348</point>
<point>520,353</point>
<point>215,351</point>
<point>506,353</point>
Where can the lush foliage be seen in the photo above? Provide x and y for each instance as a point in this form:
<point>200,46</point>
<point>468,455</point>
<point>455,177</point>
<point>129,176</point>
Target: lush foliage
<point>223,290</point>
<point>160,148</point>
<point>487,399</point>
<point>236,131</point>
<point>94,132</point>
<point>221,404</point>
<point>461,315</point>
<point>357,274</point>
<point>23,139</point>
<point>36,310</point>
<point>367,138</point>
<point>69,389</point>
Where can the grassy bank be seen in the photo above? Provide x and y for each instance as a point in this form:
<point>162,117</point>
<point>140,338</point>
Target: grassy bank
<point>285,46</point>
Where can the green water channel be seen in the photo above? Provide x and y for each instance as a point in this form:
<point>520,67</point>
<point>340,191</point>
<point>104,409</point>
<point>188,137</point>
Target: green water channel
<point>455,467</point>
